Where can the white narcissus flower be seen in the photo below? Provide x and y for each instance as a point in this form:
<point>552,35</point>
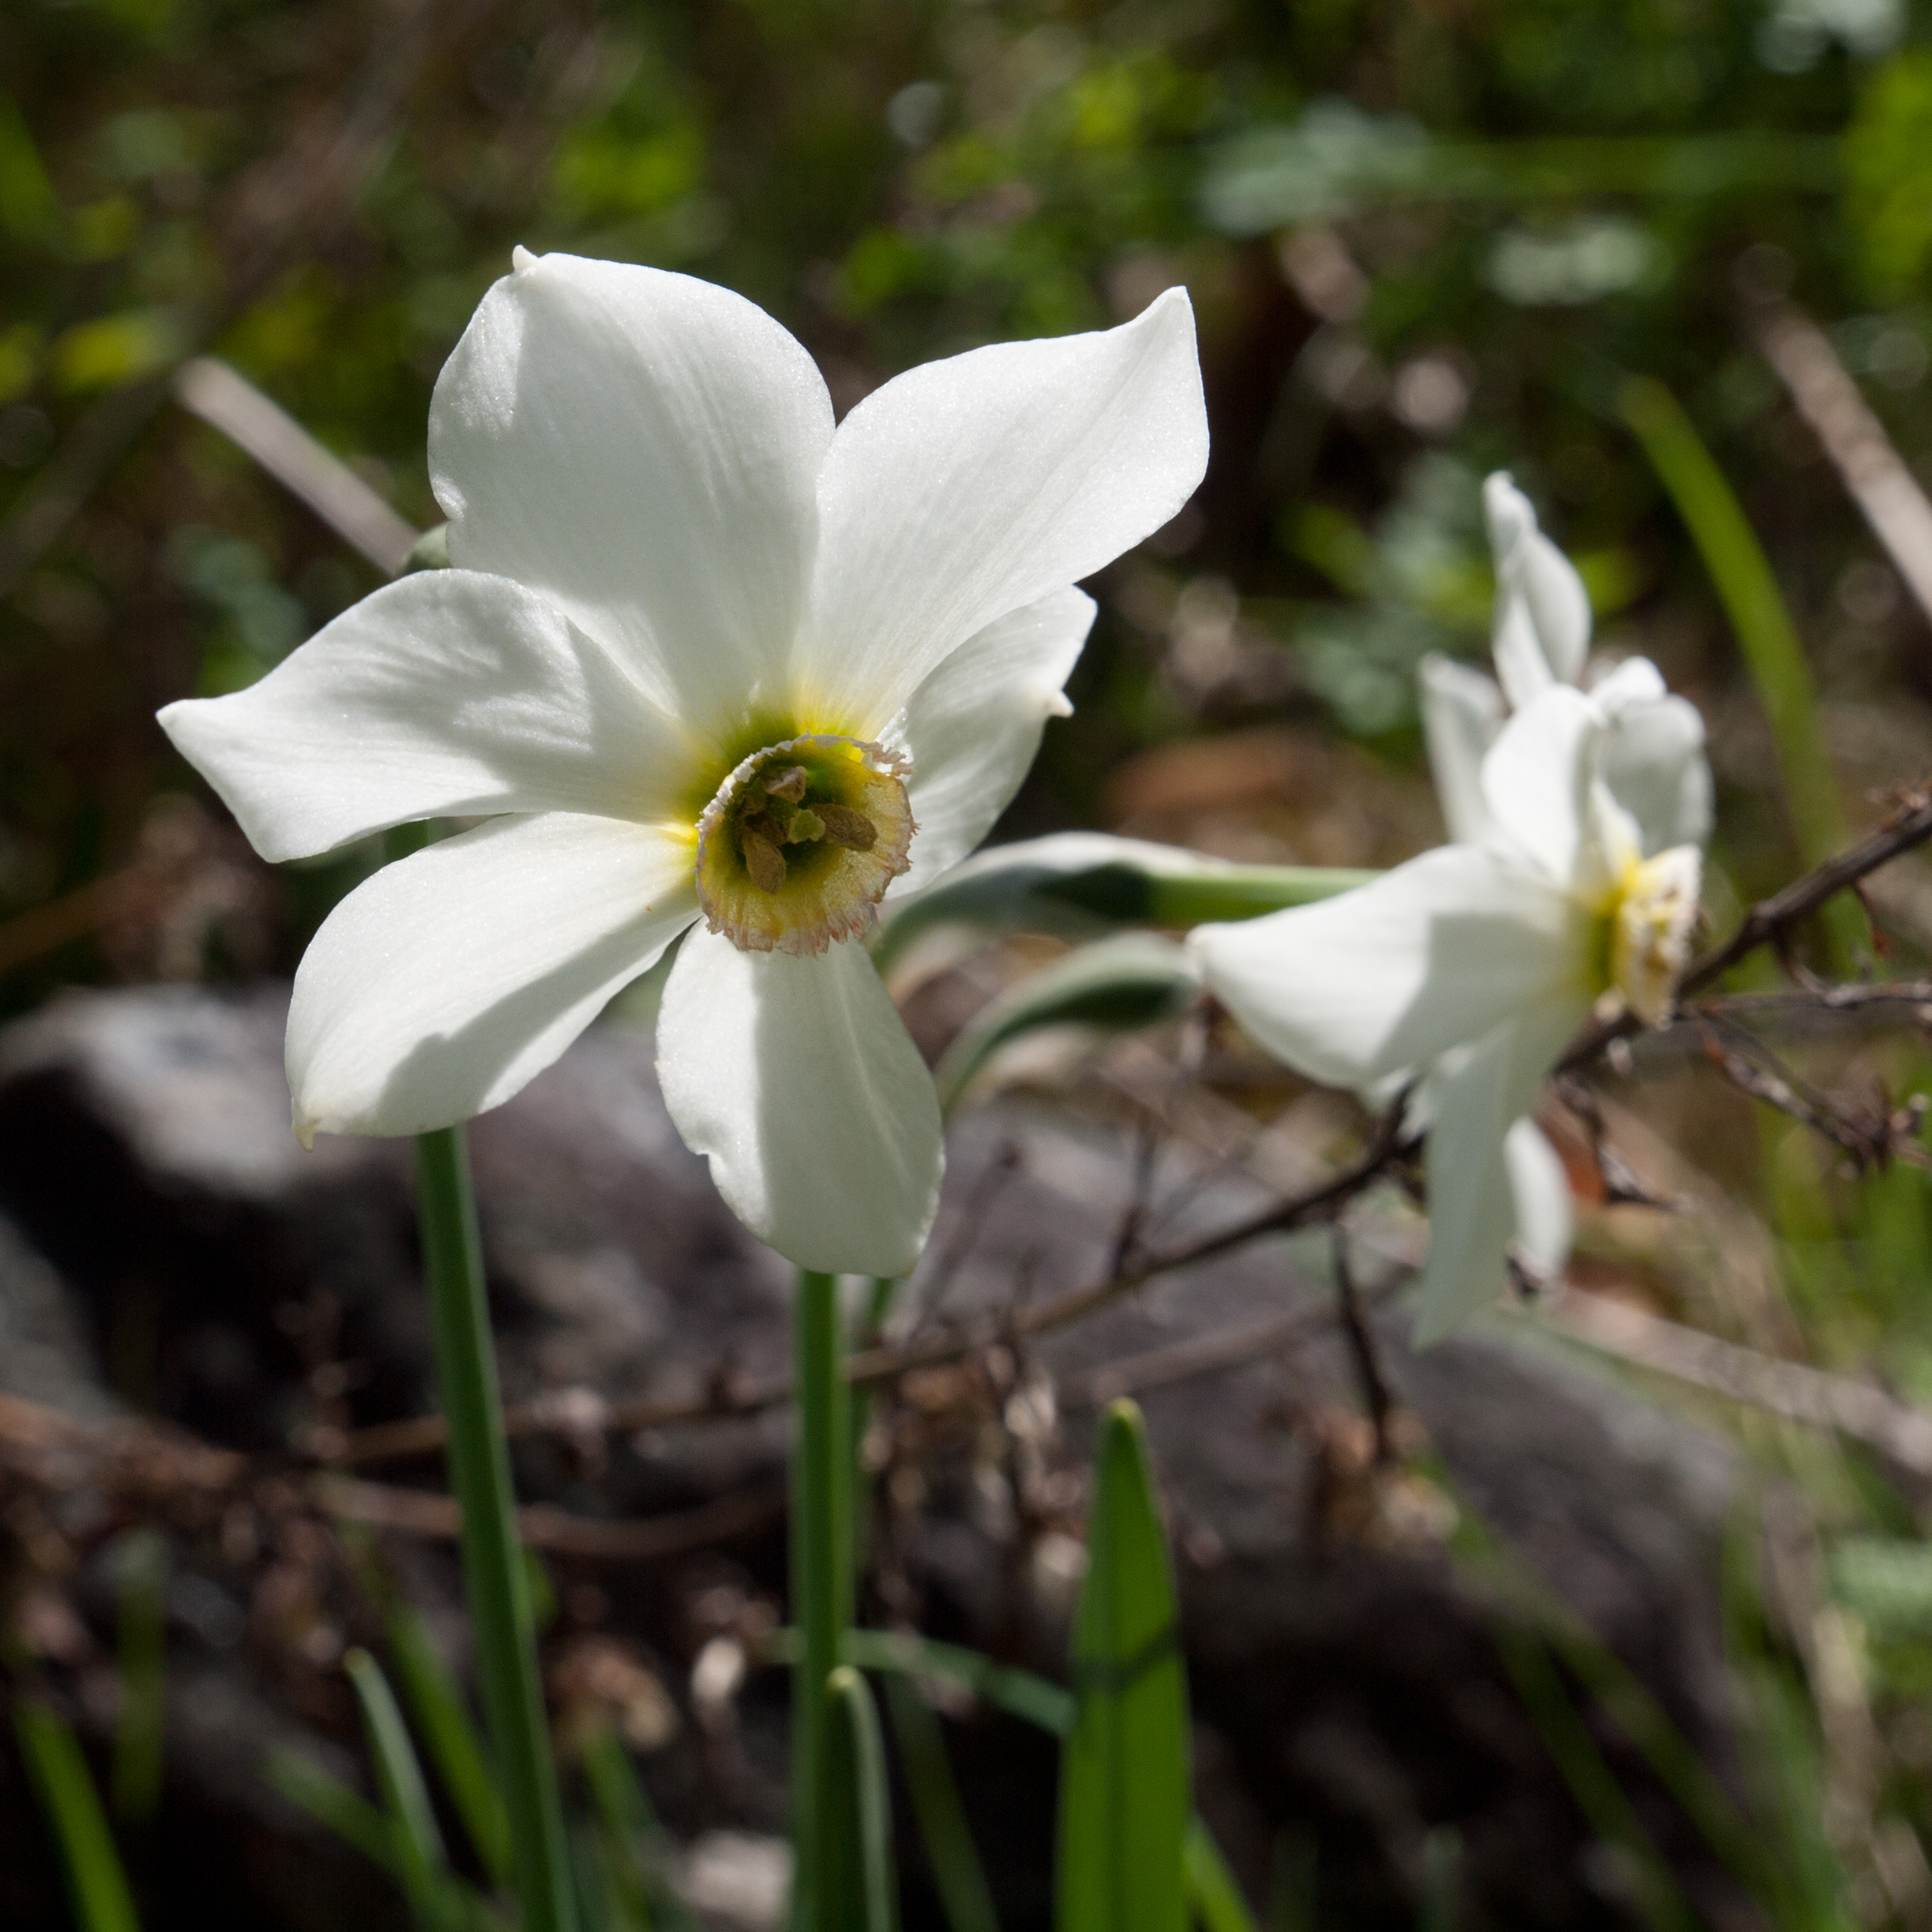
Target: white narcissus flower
<point>703,662</point>
<point>1653,751</point>
<point>1470,968</point>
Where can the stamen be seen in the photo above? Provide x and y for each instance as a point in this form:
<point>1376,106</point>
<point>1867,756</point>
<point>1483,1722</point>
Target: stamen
<point>851,829</point>
<point>1656,910</point>
<point>801,843</point>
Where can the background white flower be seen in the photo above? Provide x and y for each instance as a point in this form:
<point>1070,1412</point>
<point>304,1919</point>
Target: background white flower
<point>1652,753</point>
<point>703,657</point>
<point>1469,969</point>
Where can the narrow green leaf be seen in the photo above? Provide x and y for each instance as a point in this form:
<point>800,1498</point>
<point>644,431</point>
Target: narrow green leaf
<point>420,1863</point>
<point>1211,1891</point>
<point>140,1644</point>
<point>957,1876</point>
<point>1118,986</point>
<point>96,1883</point>
<point>350,1815</point>
<point>1082,885</point>
<point>1748,588</point>
<point>455,1748</point>
<point>640,1852</point>
<point>859,1890</point>
<point>1019,1693</point>
<point>1124,1776</point>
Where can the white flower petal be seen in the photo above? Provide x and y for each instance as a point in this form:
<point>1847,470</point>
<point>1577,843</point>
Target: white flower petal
<point>1472,1207</point>
<point>974,726</point>
<point>1531,573</point>
<point>1539,1193</point>
<point>1537,777</point>
<point>1461,714</point>
<point>796,1078</point>
<point>437,988</point>
<point>1521,667</point>
<point>1655,767</point>
<point>1395,974</point>
<point>642,449</point>
<point>448,693</point>
<point>965,489</point>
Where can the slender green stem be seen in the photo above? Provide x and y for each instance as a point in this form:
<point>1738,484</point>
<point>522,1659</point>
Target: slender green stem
<point>493,1569</point>
<point>821,1570</point>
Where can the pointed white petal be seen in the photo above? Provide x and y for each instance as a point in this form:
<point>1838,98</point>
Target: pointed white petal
<point>437,988</point>
<point>1393,975</point>
<point>1521,667</point>
<point>1655,767</point>
<point>449,692</point>
<point>796,1079</point>
<point>965,489</point>
<point>1537,782</point>
<point>642,449</point>
<point>1539,1193</point>
<point>975,724</point>
<point>1461,714</point>
<point>1533,575</point>
<point>1472,1207</point>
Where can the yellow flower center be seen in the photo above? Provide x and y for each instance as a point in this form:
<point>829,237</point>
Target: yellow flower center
<point>1653,915</point>
<point>801,842</point>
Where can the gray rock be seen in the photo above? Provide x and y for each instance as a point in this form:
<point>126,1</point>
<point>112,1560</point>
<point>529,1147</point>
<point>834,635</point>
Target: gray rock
<point>179,1254</point>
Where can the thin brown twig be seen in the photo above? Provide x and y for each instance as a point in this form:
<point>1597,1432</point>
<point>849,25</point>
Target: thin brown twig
<point>1875,475</point>
<point>1772,920</point>
<point>388,1442</point>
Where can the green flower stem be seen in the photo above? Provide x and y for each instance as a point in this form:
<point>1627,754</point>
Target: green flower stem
<point>822,1571</point>
<point>497,1580</point>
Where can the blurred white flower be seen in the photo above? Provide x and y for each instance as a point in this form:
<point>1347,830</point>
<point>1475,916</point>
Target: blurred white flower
<point>1652,749</point>
<point>703,660</point>
<point>1468,970</point>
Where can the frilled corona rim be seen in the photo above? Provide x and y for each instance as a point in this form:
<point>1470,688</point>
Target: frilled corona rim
<point>801,842</point>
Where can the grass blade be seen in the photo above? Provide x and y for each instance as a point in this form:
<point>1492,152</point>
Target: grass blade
<point>1124,1776</point>
<point>1019,1693</point>
<point>1748,588</point>
<point>859,1891</point>
<point>636,1846</point>
<point>421,1865</point>
<point>331,1803</point>
<point>1211,1891</point>
<point>455,1748</point>
<point>95,1882</point>
<point>141,1561</point>
<point>957,1875</point>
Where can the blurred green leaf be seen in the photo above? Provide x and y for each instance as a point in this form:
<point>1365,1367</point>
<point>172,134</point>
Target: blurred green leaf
<point>1211,1891</point>
<point>1748,588</point>
<point>1338,160</point>
<point>455,1746</point>
<point>957,1876</point>
<point>421,1865</point>
<point>1120,985</point>
<point>1887,163</point>
<point>860,1888</point>
<point>1124,1776</point>
<point>1082,884</point>
<point>638,1853</point>
<point>117,349</point>
<point>30,211</point>
<point>141,1564</point>
<point>347,1813</point>
<point>65,1787</point>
